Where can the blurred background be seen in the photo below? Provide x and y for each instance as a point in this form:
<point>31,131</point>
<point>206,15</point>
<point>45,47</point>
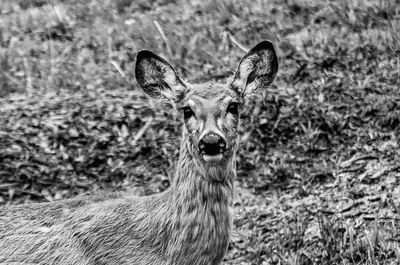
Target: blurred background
<point>319,162</point>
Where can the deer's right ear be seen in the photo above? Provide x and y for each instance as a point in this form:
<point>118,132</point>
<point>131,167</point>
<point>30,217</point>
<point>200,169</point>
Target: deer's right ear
<point>157,78</point>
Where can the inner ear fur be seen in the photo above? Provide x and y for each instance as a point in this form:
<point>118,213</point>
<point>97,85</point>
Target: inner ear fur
<point>157,77</point>
<point>257,69</point>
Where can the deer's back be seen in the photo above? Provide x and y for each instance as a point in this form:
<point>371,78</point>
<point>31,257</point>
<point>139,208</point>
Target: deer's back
<point>78,232</point>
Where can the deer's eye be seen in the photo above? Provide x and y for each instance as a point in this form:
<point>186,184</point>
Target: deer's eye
<point>187,112</point>
<point>233,108</point>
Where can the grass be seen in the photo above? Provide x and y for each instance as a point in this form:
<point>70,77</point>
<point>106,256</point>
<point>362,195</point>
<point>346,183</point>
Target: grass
<point>318,172</point>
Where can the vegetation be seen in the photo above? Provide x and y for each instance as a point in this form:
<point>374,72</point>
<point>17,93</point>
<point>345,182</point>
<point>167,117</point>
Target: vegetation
<point>318,167</point>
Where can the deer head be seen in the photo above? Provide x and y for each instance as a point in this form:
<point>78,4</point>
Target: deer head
<point>210,111</point>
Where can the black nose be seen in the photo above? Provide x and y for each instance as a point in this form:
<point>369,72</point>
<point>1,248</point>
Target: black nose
<point>212,144</point>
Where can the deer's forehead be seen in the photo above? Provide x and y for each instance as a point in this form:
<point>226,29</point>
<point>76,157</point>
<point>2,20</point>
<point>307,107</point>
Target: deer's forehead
<point>210,93</point>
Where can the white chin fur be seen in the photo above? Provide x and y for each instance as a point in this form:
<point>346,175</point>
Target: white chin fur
<point>215,158</point>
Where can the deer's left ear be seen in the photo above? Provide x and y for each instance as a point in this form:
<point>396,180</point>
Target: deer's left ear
<point>256,70</point>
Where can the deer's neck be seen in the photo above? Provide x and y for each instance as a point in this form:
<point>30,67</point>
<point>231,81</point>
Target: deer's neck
<point>200,182</point>
<point>201,202</point>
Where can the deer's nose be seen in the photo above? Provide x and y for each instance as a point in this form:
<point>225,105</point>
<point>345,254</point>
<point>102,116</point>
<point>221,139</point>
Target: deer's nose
<point>212,144</point>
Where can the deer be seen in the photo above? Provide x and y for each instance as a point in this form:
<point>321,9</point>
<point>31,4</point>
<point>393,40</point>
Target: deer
<point>191,221</point>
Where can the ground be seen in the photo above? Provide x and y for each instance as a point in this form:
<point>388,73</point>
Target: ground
<point>318,166</point>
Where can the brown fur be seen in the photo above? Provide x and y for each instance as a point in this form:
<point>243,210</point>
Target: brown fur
<point>188,224</point>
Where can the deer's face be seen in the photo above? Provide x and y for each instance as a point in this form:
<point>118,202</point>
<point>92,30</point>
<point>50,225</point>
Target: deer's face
<point>210,111</point>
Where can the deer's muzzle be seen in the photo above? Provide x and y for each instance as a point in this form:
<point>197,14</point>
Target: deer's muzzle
<point>212,146</point>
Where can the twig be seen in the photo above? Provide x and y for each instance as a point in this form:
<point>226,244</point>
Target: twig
<point>12,79</point>
<point>109,45</point>
<point>237,43</point>
<point>120,71</point>
<point>373,217</point>
<point>356,158</point>
<point>51,52</point>
<point>58,13</point>
<point>28,76</point>
<point>164,37</point>
<point>142,131</point>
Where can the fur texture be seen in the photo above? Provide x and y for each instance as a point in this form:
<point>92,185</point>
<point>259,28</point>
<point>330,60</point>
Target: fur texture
<point>188,224</point>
